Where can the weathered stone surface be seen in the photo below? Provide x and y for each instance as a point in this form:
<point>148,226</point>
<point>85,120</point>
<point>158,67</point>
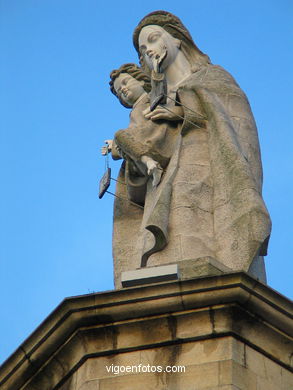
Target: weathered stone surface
<point>232,373</point>
<point>286,379</point>
<point>201,267</point>
<point>229,331</point>
<point>223,364</point>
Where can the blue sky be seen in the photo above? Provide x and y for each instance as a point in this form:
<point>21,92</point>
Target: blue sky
<point>56,109</point>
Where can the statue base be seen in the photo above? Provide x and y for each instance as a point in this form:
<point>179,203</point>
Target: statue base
<point>223,332</point>
<point>186,269</point>
<point>149,275</point>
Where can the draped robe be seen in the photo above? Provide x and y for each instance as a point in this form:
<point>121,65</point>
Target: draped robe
<point>209,202</point>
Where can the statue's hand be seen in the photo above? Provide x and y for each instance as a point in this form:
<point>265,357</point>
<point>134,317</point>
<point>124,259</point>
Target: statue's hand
<point>153,168</point>
<point>174,113</point>
<point>106,149</point>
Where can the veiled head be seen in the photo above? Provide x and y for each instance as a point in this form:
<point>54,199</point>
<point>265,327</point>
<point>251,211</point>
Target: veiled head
<point>177,30</point>
<point>157,47</point>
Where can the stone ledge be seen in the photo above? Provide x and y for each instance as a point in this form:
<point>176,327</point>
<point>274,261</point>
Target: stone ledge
<point>230,304</point>
<point>149,275</point>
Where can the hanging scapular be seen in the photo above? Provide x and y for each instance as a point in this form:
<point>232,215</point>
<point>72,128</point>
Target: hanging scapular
<point>106,181</point>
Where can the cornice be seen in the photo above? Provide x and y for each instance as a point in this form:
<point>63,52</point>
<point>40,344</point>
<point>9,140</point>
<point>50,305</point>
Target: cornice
<point>236,297</point>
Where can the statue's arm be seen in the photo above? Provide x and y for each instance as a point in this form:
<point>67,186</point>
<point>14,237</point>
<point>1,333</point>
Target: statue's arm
<point>112,148</point>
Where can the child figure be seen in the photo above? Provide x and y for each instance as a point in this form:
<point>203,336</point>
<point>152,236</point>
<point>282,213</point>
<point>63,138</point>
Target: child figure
<point>148,141</point>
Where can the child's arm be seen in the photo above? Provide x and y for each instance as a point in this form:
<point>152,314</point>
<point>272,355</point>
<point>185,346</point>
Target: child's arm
<point>111,147</point>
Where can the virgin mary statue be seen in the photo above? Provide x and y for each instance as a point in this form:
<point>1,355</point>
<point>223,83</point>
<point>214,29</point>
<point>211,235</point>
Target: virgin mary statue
<point>209,202</point>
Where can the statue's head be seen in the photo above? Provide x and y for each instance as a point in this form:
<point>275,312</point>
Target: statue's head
<point>157,47</point>
<point>128,83</point>
<point>170,35</point>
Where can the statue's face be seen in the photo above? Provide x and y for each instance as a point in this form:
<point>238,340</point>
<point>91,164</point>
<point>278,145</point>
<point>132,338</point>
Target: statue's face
<point>128,88</point>
<point>158,47</point>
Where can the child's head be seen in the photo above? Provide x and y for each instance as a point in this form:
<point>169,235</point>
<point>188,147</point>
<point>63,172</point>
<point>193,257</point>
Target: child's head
<point>128,83</point>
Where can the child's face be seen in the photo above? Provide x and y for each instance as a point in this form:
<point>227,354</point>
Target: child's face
<point>128,88</point>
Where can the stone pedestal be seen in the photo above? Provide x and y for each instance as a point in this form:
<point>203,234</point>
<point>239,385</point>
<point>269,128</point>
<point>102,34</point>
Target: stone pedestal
<point>219,332</point>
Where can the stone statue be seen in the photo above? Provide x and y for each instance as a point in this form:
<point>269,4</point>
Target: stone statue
<point>138,144</point>
<point>145,145</point>
<point>207,204</point>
